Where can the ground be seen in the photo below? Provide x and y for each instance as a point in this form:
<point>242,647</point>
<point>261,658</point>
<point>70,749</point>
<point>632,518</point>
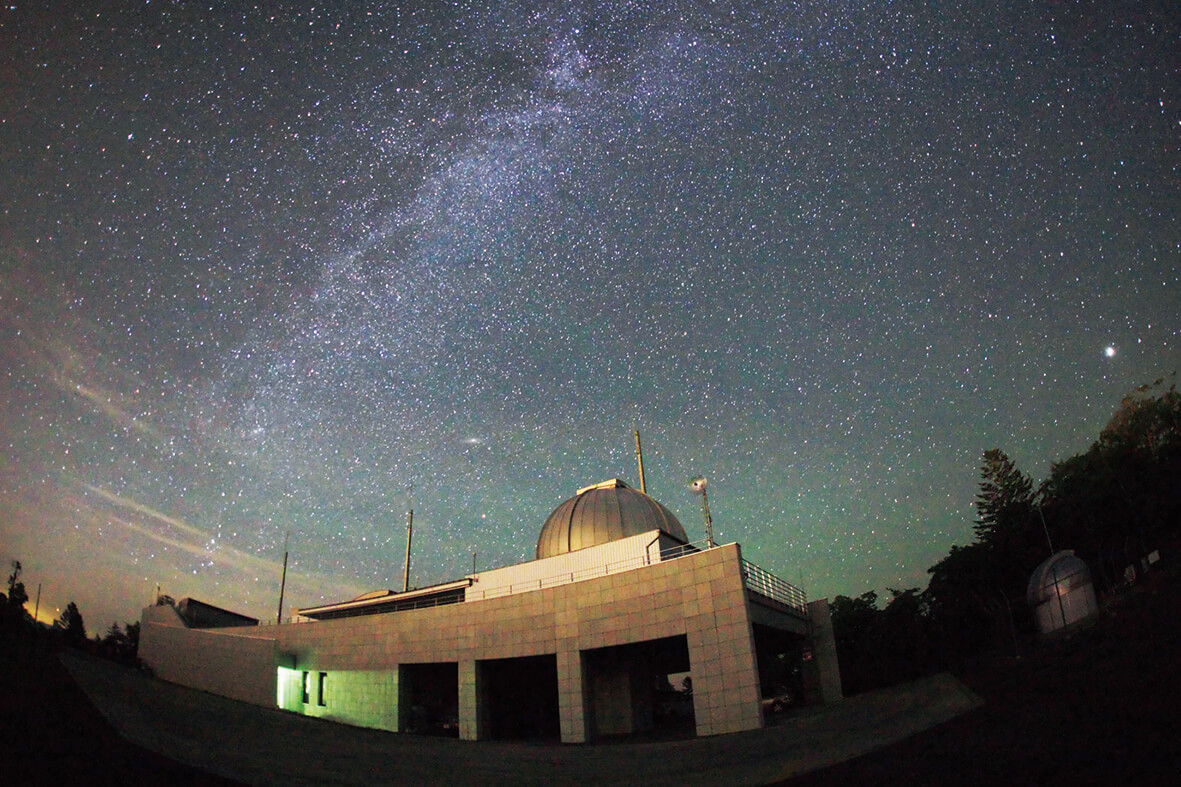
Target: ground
<point>1098,707</point>
<point>50,733</point>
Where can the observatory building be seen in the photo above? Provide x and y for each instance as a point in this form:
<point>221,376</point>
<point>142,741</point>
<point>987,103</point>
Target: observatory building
<point>1061,593</point>
<point>618,626</point>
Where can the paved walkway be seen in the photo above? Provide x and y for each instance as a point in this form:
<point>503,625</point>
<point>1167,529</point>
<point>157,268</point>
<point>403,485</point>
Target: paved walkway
<point>268,746</point>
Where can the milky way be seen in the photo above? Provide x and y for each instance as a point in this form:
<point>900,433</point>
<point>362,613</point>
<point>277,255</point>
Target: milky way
<point>296,270</point>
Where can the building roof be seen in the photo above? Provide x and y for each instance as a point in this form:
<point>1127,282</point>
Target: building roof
<point>199,615</point>
<point>381,601</point>
<point>601,513</point>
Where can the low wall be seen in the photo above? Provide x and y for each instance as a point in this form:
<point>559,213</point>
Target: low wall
<point>223,661</point>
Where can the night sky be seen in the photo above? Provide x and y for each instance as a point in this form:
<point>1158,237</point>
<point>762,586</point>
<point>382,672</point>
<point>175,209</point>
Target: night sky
<point>283,268</point>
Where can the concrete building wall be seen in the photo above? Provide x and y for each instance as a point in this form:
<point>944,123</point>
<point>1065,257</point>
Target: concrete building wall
<point>222,661</point>
<point>366,698</point>
<point>721,648</point>
<point>699,595</point>
<point>822,673</point>
<point>289,690</point>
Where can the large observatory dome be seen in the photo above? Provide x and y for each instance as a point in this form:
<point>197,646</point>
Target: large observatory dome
<point>601,513</point>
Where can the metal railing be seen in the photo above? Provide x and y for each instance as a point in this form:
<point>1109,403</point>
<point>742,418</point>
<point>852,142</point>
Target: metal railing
<point>766,584</point>
<point>757,580</point>
<point>392,605</point>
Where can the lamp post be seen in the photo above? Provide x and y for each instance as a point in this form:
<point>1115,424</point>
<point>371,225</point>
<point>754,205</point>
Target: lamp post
<point>698,485</point>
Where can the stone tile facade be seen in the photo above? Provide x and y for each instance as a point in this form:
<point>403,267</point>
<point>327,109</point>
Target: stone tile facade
<point>700,597</point>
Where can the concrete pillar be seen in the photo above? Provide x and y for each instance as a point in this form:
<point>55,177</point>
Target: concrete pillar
<point>611,683</point>
<point>572,694</point>
<point>721,650</point>
<point>822,672</point>
<point>640,689</point>
<point>402,708</point>
<point>472,725</point>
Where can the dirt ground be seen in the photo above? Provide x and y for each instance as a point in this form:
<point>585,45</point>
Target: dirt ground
<point>1098,707</point>
<point>50,733</point>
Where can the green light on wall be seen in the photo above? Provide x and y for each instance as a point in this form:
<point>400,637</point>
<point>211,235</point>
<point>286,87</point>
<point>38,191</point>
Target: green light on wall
<point>288,688</point>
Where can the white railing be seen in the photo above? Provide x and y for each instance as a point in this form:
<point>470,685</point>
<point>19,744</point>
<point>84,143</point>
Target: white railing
<point>766,584</point>
<point>755,579</point>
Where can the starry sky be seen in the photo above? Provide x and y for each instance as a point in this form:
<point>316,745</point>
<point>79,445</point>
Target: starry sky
<point>288,268</point>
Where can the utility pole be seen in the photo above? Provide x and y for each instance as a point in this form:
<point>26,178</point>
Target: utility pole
<point>283,582</point>
<point>409,535</point>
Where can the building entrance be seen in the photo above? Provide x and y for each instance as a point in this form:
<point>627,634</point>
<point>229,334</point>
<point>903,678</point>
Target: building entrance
<point>640,688</point>
<point>518,698</point>
<point>428,699</point>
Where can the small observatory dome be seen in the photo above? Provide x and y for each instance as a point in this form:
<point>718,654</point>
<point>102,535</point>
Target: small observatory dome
<point>601,513</point>
<point>1061,592</point>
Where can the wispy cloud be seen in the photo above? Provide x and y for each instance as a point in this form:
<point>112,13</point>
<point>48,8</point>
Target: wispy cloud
<point>199,543</point>
<point>147,511</point>
<point>66,350</point>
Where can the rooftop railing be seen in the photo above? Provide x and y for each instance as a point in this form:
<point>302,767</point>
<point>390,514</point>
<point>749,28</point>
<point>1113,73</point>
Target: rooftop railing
<point>393,604</point>
<point>757,580</point>
<point>767,585</point>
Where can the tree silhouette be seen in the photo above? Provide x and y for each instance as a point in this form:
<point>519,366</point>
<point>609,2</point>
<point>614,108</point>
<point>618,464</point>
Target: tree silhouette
<point>12,606</point>
<point>121,644</point>
<point>71,625</point>
<point>131,630</point>
<point>1005,500</point>
<point>1121,499</point>
<point>1113,505</point>
<point>880,647</point>
<point>1148,421</point>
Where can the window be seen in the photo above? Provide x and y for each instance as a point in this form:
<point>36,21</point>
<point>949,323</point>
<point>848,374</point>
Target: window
<point>306,685</point>
<point>323,697</point>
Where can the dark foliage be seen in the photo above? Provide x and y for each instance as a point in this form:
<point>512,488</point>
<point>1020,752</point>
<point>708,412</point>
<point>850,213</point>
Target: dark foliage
<point>1121,500</point>
<point>71,625</point>
<point>121,644</point>
<point>12,605</point>
<point>1114,505</point>
<point>880,647</point>
<point>1005,502</point>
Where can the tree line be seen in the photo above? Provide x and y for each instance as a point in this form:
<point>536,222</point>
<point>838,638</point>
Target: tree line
<point>1117,505</point>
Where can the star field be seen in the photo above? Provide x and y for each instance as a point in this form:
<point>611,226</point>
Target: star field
<point>297,269</point>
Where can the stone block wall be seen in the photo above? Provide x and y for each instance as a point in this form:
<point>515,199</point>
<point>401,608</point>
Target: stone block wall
<point>699,596</point>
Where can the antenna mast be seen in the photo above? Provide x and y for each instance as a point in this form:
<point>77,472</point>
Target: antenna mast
<point>409,535</point>
<point>282,583</point>
<point>640,459</point>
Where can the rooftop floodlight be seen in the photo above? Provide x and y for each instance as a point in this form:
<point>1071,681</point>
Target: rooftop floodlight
<point>697,485</point>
